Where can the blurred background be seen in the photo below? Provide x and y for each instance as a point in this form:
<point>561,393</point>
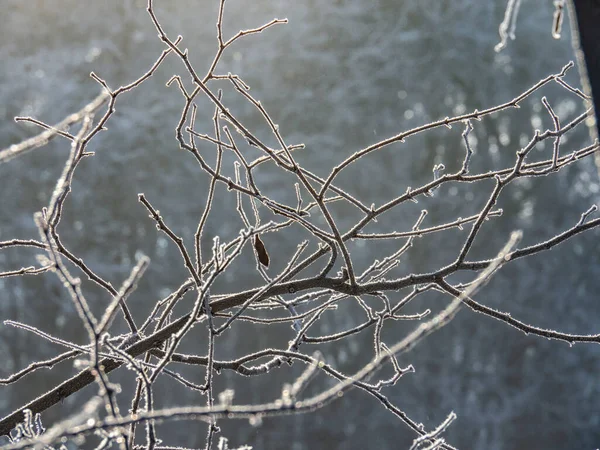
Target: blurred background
<point>340,76</point>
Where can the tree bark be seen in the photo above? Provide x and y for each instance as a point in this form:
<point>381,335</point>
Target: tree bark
<point>585,26</point>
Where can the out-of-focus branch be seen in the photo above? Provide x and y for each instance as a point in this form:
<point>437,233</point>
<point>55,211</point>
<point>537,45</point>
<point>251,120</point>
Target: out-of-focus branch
<point>51,132</point>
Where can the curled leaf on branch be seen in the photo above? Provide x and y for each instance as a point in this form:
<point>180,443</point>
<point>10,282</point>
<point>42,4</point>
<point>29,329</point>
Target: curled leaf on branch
<point>261,251</point>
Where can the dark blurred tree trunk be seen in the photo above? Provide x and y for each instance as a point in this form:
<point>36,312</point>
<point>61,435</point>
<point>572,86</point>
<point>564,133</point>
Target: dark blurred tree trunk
<point>586,42</point>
